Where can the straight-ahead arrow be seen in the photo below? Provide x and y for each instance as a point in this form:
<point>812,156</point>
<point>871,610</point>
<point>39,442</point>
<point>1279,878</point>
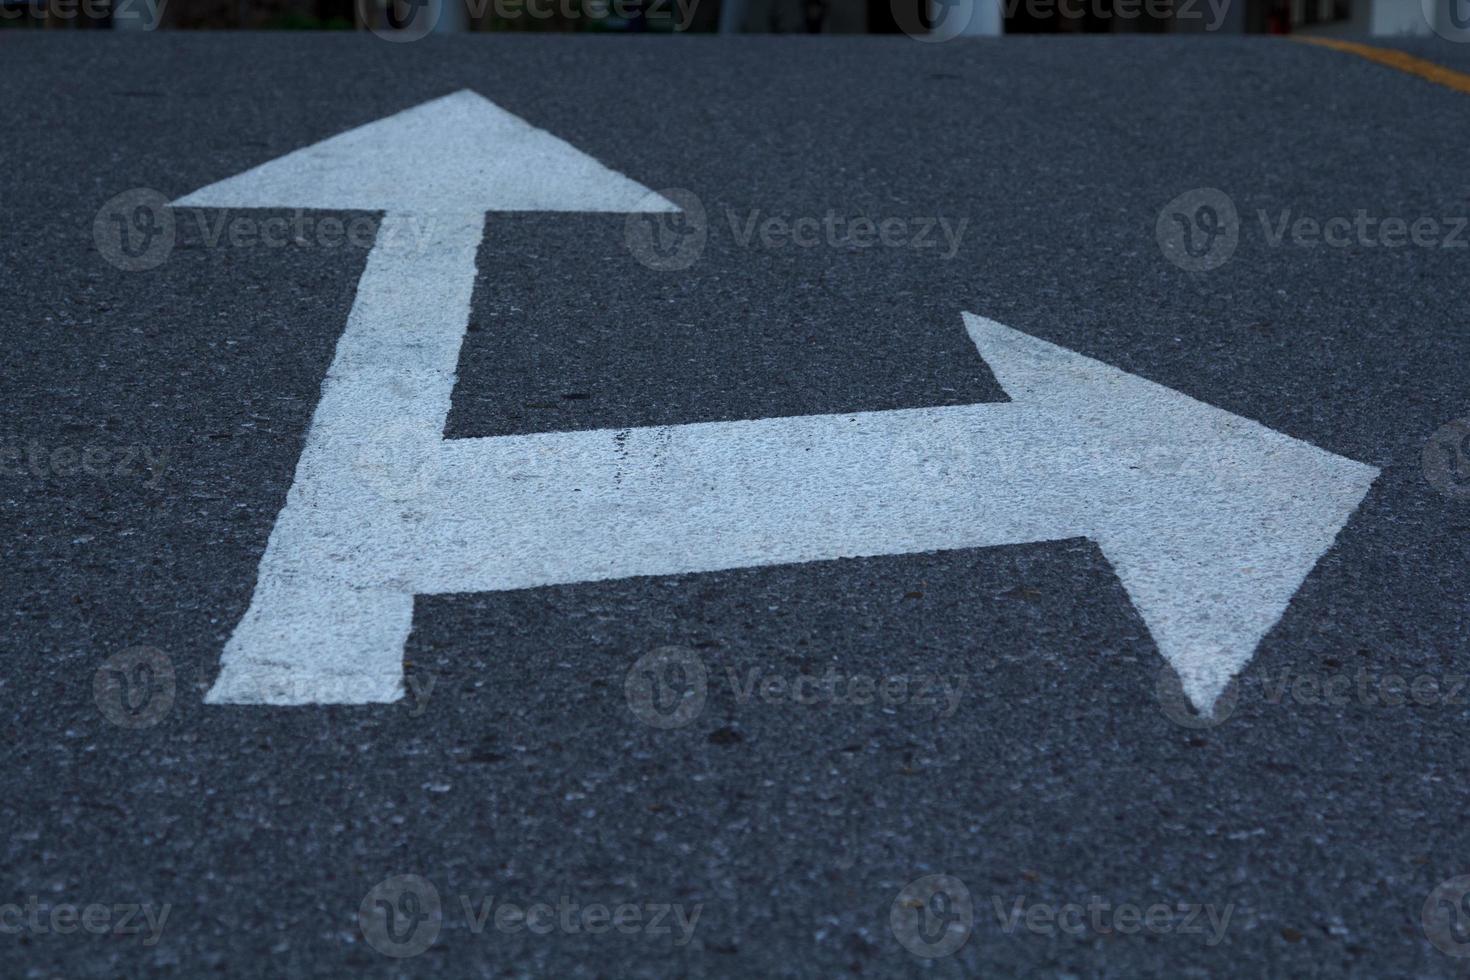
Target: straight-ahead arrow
<point>1211,521</point>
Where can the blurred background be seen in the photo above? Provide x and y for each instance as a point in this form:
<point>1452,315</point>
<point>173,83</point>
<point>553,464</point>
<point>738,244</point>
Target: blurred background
<point>930,19</point>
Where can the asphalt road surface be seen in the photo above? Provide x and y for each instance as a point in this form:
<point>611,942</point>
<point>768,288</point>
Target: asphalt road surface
<point>999,716</point>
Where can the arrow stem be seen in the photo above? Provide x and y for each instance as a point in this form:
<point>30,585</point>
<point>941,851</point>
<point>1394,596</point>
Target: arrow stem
<point>522,511</point>
<point>381,414</point>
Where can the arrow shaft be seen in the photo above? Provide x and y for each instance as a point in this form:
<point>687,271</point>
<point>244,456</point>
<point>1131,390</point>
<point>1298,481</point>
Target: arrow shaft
<point>524,511</point>
<point>394,368</point>
<point>386,396</point>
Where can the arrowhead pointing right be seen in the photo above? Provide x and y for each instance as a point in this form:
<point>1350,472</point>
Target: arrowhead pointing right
<point>460,154</point>
<point>1211,521</point>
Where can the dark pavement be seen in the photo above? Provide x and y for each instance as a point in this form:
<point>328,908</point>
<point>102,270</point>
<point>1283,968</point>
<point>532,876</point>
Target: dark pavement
<point>1319,825</point>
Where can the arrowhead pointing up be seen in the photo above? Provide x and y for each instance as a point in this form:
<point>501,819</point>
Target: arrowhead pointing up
<point>1211,521</point>
<point>460,154</point>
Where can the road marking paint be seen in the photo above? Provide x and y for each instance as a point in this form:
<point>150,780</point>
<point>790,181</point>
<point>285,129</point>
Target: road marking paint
<point>1211,521</point>
<point>460,154</point>
<point>1428,70</point>
<point>322,627</point>
<point>385,397</point>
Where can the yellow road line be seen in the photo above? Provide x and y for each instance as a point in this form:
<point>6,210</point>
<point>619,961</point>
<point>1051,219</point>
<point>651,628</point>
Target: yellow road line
<point>1457,80</point>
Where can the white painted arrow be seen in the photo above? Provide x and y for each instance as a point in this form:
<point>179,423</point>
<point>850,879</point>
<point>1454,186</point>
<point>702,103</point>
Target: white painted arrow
<point>1211,521</point>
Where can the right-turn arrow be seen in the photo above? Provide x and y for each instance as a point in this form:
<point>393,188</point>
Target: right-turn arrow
<point>1210,520</point>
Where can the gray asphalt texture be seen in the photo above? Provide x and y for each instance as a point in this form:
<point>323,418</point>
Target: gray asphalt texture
<point>525,776</point>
